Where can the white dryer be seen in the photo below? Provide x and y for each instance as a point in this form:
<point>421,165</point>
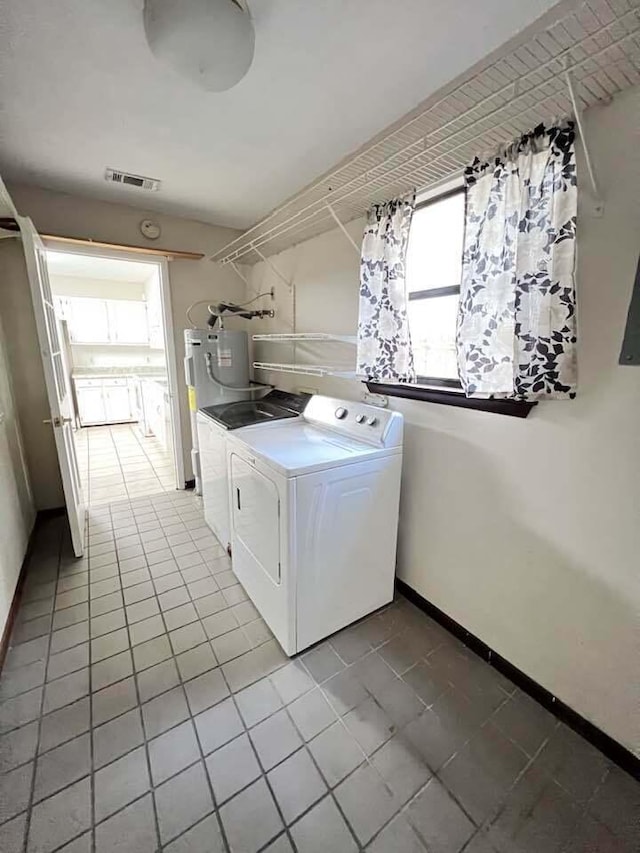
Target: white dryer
<point>314,517</point>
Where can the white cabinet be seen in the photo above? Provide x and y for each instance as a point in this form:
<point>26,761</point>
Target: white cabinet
<point>104,401</point>
<point>91,409</point>
<point>105,321</point>
<point>127,322</point>
<point>154,317</point>
<point>88,321</point>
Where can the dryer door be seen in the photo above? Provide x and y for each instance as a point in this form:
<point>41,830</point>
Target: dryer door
<point>255,505</point>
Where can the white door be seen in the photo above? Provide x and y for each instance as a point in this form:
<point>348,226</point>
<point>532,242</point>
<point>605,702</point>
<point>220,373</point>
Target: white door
<point>57,390</point>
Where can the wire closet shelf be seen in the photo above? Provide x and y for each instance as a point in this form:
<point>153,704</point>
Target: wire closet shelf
<point>519,86</point>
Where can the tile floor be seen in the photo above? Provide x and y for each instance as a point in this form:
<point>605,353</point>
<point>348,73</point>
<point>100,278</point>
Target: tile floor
<point>117,462</point>
<point>145,706</point>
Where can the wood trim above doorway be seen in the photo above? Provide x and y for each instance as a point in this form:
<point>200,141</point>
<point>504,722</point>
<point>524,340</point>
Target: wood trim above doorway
<point>170,254</point>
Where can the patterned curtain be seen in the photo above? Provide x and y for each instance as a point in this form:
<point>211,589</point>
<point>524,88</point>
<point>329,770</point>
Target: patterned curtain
<point>384,343</point>
<point>516,333</point>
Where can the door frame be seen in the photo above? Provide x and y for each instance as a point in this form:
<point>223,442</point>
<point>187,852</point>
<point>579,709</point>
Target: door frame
<point>162,265</point>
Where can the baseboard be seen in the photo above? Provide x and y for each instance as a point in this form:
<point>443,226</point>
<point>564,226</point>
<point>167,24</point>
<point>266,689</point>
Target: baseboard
<point>41,515</point>
<point>615,751</point>
<point>190,484</point>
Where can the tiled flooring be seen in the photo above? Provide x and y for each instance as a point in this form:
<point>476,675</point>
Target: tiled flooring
<point>145,706</point>
<point>117,462</point>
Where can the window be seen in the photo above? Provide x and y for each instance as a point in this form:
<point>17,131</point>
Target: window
<point>433,276</point>
<point>434,271</point>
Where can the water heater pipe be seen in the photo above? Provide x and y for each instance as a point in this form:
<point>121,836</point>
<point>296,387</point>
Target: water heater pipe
<point>258,386</point>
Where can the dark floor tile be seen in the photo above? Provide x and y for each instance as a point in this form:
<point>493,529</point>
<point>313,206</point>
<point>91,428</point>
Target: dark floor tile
<point>204,837</point>
<point>120,782</point>
<point>617,805</point>
<point>114,700</point>
<point>591,836</point>
<point>15,791</point>
<point>116,737</point>
<point>440,822</point>
<point>275,739</point>
<point>336,752</point>
<point>22,679</point>
<point>372,672</point>
<point>573,762</point>
<point>251,819</point>
<point>20,709</point>
<point>25,653</point>
<point>351,643</point>
<point>443,729</point>
<point>134,828</point>
<point>482,772</point>
<point>112,669</point>
<point>217,725</point>
<point>68,661</point>
<point>400,653</point>
<point>18,746</point>
<point>64,691</point>
<point>525,721</point>
<point>538,815</point>
<point>401,768</point>
<point>322,662</point>
<point>173,751</point>
<point>64,724</point>
<point>182,801</point>
<point>426,682</point>
<point>370,726</point>
<point>60,766</point>
<point>60,818</point>
<point>13,834</point>
<point>399,702</point>
<point>366,802</point>
<point>232,767</point>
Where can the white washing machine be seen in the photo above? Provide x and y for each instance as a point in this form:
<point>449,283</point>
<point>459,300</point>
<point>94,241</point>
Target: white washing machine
<point>314,517</point>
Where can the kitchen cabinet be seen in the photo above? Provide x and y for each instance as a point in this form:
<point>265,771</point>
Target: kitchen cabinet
<point>105,321</point>
<point>154,317</point>
<point>104,400</point>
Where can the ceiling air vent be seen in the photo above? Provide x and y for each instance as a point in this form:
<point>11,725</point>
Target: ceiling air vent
<point>127,179</point>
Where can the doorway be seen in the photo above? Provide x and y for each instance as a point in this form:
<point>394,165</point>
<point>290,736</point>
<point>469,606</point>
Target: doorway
<point>114,319</point>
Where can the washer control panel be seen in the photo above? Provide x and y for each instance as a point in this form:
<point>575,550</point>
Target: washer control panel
<point>359,420</point>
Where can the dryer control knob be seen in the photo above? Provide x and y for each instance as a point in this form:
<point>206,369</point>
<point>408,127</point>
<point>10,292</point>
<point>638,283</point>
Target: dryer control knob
<point>341,413</point>
<point>359,419</point>
<point>372,421</point>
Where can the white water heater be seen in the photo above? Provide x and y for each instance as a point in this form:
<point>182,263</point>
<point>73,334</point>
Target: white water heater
<point>216,371</point>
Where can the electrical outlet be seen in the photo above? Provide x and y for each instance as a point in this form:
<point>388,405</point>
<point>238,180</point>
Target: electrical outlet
<point>379,400</point>
<point>307,390</point>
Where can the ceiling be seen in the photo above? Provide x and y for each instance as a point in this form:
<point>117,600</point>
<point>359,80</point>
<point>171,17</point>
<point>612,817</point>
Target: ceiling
<point>80,91</point>
<point>107,269</point>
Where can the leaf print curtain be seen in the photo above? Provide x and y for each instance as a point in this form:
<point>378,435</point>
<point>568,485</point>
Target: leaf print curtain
<point>384,351</point>
<point>516,335</point>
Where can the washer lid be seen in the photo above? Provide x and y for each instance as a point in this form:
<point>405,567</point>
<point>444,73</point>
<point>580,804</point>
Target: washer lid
<point>298,448</point>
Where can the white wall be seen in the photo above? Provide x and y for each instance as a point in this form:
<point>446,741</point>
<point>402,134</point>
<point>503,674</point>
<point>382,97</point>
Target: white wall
<point>16,505</point>
<point>527,532</point>
<point>58,213</point>
<point>100,288</point>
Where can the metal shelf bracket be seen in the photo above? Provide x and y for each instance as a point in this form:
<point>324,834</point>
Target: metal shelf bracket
<point>577,112</point>
<point>342,228</point>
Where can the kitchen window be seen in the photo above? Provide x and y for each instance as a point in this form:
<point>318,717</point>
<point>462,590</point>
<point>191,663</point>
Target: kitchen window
<point>433,278</point>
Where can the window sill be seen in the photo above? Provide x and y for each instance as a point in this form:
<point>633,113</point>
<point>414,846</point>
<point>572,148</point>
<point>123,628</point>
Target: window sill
<point>449,397</point>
